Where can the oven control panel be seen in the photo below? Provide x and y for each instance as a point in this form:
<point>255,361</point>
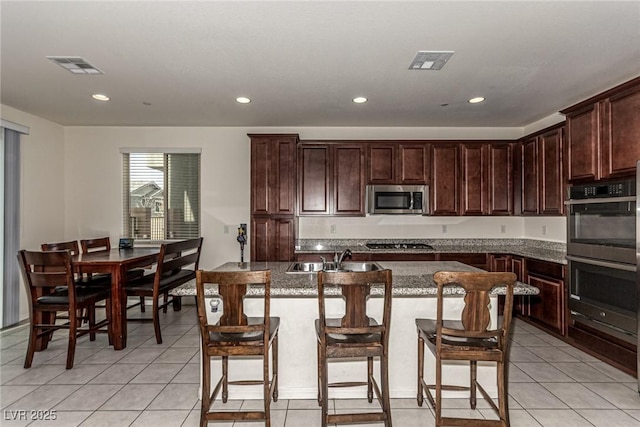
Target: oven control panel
<point>611,189</point>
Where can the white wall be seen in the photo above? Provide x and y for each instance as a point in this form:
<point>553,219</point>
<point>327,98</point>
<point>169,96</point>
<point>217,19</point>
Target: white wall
<point>43,170</point>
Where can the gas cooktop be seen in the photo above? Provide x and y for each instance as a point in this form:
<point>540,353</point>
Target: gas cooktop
<point>398,246</point>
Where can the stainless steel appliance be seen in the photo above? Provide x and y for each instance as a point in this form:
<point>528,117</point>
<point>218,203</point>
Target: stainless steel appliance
<point>601,251</point>
<point>397,199</point>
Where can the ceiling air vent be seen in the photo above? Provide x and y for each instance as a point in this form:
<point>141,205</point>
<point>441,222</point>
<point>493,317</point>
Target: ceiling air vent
<point>430,60</point>
<point>74,64</point>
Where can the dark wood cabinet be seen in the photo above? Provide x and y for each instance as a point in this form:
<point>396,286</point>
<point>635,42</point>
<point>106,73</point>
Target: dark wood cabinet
<point>603,133</point>
<point>272,238</point>
<point>474,179</point>
<point>478,260</point>
<point>513,264</point>
<point>549,306</point>
<point>621,133</point>
<point>542,169</point>
<point>500,181</point>
<point>273,174</point>
<point>398,163</point>
<point>331,179</point>
<point>273,195</point>
<point>445,179</point>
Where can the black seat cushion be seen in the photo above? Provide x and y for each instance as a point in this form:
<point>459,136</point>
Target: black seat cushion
<point>168,282</point>
<point>61,295</point>
<point>428,328</point>
<point>350,338</point>
<point>274,324</point>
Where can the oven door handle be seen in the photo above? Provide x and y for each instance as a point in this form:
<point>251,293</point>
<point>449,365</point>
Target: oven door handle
<point>601,200</point>
<point>599,263</point>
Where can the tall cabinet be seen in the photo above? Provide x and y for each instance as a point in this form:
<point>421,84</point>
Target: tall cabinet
<point>273,193</point>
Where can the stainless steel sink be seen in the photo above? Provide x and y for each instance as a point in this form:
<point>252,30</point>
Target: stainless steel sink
<point>312,267</point>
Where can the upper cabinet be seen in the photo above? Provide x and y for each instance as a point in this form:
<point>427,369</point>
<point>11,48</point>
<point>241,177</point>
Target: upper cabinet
<point>500,181</point>
<point>397,163</point>
<point>445,179</point>
<point>273,174</point>
<point>331,179</point>
<point>475,167</point>
<point>542,169</point>
<point>603,134</point>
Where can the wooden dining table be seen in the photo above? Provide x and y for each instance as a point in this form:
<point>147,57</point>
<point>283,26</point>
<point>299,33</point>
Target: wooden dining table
<point>117,262</point>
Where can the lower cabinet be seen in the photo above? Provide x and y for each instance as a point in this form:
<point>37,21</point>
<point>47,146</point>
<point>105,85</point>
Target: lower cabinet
<point>549,306</point>
<point>272,238</point>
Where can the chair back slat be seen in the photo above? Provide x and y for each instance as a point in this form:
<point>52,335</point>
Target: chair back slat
<point>99,244</point>
<point>476,315</point>
<point>43,272</point>
<point>355,288</point>
<point>172,256</point>
<point>71,246</point>
<point>232,289</point>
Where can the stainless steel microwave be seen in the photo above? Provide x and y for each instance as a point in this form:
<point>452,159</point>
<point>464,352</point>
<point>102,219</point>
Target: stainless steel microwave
<point>398,199</point>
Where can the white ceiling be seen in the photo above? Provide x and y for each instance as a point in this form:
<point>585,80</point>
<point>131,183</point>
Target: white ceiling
<point>302,62</point>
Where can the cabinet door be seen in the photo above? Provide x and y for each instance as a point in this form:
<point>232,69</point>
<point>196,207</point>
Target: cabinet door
<point>621,134</point>
<point>348,179</point>
<point>313,184</point>
<point>500,181</point>
<point>413,163</point>
<point>445,180</point>
<point>382,164</point>
<point>474,179</point>
<point>548,306</point>
<point>272,239</point>
<point>582,144</point>
<point>530,176</point>
<point>551,172</point>
<point>273,174</point>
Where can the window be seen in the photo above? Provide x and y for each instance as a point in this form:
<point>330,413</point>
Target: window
<point>161,195</point>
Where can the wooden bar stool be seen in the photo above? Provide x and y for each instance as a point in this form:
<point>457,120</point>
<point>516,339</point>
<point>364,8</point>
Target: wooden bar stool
<point>355,335</point>
<point>468,339</point>
<point>236,335</point>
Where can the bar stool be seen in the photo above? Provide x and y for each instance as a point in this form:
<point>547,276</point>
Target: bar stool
<point>355,335</point>
<point>236,335</point>
<point>468,339</point>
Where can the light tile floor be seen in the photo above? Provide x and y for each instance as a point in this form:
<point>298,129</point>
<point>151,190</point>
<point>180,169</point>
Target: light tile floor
<point>551,384</point>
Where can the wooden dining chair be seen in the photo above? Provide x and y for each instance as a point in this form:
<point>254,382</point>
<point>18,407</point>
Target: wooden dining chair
<point>469,339</point>
<point>237,335</point>
<point>177,264</point>
<point>355,335</point>
<point>52,288</point>
<point>103,244</point>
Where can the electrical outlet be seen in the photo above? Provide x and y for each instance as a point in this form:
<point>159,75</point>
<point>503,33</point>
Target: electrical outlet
<point>333,228</point>
<point>503,229</point>
<point>444,228</point>
<point>544,230</point>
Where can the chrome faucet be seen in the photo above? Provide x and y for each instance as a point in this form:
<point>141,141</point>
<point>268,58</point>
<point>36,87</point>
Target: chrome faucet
<point>344,254</point>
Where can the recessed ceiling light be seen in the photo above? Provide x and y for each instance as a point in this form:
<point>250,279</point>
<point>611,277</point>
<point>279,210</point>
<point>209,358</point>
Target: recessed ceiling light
<point>360,100</point>
<point>243,100</point>
<point>100,97</point>
<point>476,100</point>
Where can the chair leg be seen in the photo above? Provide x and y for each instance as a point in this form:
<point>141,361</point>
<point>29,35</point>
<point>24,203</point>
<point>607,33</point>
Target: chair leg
<point>438,407</point>
<point>142,307</point>
<point>384,378</point>
<point>503,397</point>
<point>225,378</point>
<point>274,356</point>
<point>91,315</point>
<point>156,321</point>
<point>420,396</point>
<point>319,373</point>
<point>177,303</point>
<point>325,386</point>
<point>265,389</point>
<point>165,298</point>
<point>73,332</point>
<point>107,308</point>
<point>369,382</point>
<point>206,389</point>
<point>31,348</point>
<point>473,389</point>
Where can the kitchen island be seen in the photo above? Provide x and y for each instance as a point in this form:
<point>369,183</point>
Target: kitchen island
<point>294,300</point>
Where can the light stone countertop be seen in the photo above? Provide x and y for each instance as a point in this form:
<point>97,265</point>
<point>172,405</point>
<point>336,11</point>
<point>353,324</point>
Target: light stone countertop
<point>410,279</point>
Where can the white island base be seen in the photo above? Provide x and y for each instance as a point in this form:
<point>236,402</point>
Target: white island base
<point>297,367</point>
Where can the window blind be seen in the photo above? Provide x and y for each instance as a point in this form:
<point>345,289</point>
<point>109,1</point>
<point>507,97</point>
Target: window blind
<point>161,195</point>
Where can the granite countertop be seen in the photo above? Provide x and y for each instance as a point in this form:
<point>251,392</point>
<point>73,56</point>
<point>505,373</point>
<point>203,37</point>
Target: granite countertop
<point>410,279</point>
<point>536,249</point>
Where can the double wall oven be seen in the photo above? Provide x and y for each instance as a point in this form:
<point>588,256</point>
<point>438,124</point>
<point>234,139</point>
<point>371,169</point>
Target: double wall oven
<point>601,254</point>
